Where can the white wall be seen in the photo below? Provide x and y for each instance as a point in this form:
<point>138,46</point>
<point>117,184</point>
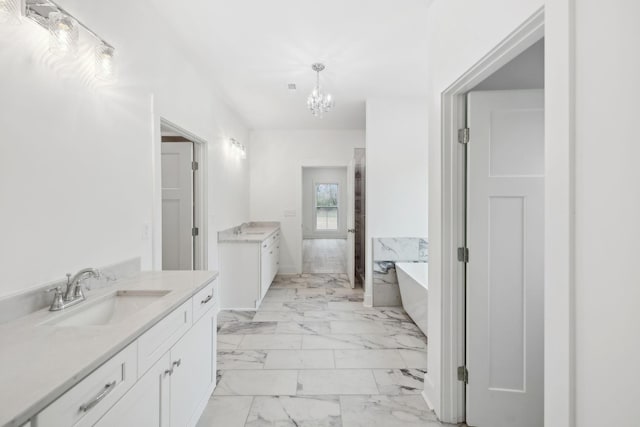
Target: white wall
<point>607,209</point>
<point>311,177</point>
<point>78,158</point>
<point>592,203</point>
<point>276,161</point>
<point>397,172</point>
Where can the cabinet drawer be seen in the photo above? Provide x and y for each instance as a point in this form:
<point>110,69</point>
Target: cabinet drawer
<point>204,300</point>
<point>159,339</point>
<point>88,400</point>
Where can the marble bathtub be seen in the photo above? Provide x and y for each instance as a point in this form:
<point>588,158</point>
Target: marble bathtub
<point>414,290</point>
<point>388,251</point>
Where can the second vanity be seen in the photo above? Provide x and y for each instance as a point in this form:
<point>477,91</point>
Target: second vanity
<point>249,261</point>
<point>142,352</point>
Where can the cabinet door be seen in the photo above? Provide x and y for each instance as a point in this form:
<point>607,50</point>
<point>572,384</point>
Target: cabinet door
<point>265,271</point>
<point>214,345</point>
<point>146,404</point>
<point>275,259</point>
<point>191,377</point>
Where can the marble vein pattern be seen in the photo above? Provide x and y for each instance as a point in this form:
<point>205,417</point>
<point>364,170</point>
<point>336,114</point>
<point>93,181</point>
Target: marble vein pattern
<point>386,252</point>
<point>388,411</point>
<point>314,356</point>
<point>399,249</point>
<point>295,411</point>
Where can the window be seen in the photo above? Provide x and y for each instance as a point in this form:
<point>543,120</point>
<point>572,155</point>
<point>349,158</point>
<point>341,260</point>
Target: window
<point>327,207</point>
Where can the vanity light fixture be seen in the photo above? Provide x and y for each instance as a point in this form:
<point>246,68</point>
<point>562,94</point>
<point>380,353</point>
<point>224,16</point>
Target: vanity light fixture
<point>104,61</point>
<point>64,30</point>
<point>64,34</point>
<point>238,148</point>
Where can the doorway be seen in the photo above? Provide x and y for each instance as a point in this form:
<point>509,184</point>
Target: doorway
<point>324,224</point>
<point>485,291</point>
<point>182,183</point>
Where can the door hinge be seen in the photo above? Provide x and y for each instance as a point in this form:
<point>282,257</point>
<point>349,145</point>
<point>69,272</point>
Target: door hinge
<point>463,374</point>
<point>194,166</point>
<point>195,231</point>
<point>463,254</point>
<point>463,136</point>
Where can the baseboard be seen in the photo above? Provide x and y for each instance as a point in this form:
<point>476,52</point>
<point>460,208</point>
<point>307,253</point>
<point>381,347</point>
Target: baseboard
<point>287,270</point>
<point>430,396</point>
<point>368,300</point>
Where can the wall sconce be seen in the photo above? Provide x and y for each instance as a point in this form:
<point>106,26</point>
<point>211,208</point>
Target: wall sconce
<point>64,30</point>
<point>238,148</point>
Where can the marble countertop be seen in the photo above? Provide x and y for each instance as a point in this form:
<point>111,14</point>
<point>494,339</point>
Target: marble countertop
<point>40,362</point>
<point>253,232</point>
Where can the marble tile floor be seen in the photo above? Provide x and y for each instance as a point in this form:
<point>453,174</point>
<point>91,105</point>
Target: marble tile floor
<point>324,256</point>
<point>314,356</point>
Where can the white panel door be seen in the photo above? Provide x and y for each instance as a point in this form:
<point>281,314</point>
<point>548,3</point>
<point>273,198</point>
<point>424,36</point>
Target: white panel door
<point>505,273</point>
<point>177,206</point>
<point>351,222</point>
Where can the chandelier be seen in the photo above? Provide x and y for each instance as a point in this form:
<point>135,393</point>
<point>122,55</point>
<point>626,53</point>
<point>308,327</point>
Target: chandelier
<point>319,102</point>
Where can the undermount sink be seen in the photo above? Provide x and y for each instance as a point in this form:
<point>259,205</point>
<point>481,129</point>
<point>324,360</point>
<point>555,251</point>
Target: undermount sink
<point>109,309</point>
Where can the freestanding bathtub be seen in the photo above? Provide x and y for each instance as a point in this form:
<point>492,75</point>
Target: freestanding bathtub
<point>414,292</point>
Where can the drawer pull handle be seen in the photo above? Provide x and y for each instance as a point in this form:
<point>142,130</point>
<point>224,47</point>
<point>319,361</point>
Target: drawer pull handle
<point>207,299</point>
<point>264,246</point>
<point>168,372</point>
<point>108,388</point>
<point>176,364</point>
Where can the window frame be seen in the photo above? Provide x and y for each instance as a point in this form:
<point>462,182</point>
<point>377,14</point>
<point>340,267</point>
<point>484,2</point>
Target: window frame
<point>315,207</point>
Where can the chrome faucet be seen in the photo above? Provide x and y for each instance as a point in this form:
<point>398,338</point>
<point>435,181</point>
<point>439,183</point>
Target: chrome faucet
<point>73,294</point>
<point>74,289</point>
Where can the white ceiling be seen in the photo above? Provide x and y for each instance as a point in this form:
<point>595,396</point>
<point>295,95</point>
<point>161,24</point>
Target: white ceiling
<point>255,48</point>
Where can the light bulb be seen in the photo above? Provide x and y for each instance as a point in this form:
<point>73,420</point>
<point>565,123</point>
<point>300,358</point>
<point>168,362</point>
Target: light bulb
<point>104,61</point>
<point>64,34</point>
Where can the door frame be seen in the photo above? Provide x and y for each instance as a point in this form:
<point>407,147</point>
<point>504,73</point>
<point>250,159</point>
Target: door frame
<point>200,256</point>
<point>453,99</point>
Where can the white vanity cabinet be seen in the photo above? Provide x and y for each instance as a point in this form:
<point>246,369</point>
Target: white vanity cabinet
<point>175,363</point>
<point>269,262</point>
<point>174,391</point>
<point>247,269</point>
